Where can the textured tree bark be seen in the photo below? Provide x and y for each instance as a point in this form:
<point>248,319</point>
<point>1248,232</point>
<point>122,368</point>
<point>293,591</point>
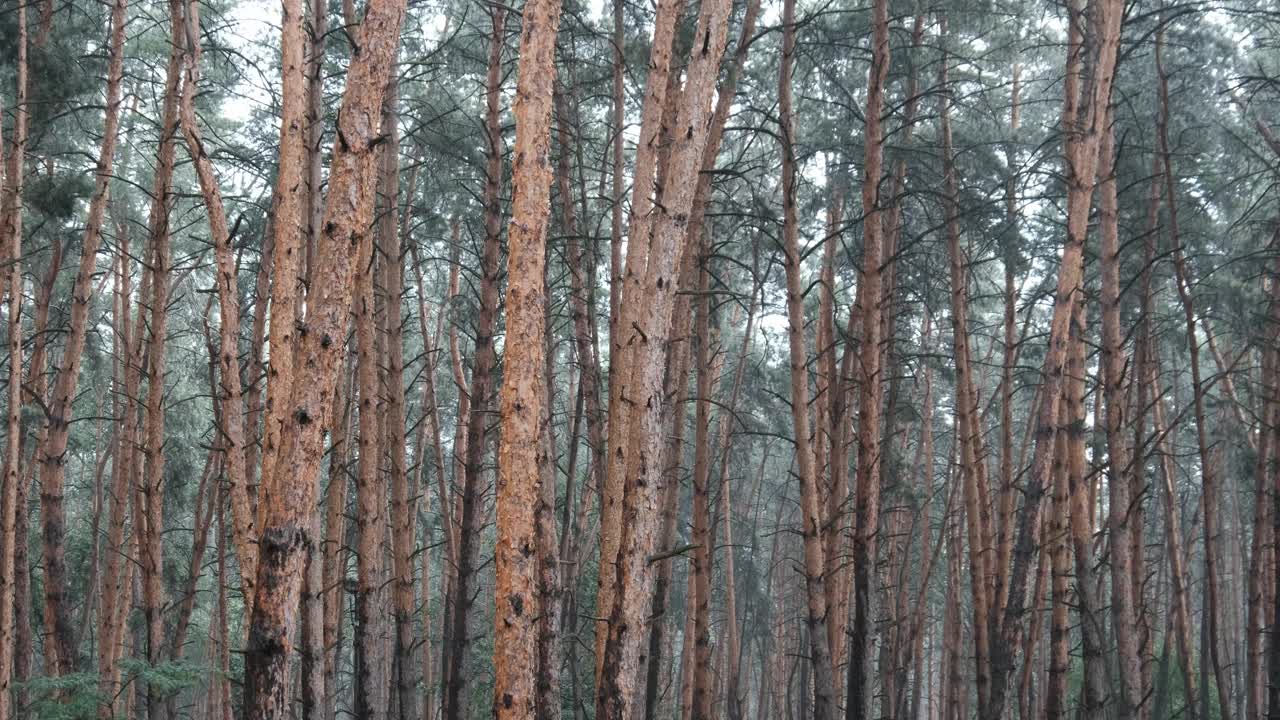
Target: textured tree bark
<point>867,506</point>
<point>1060,623</point>
<point>522,451</point>
<point>814,561</point>
<point>679,358</point>
<point>60,650</point>
<point>317,27</point>
<point>621,319</point>
<point>333,547</point>
<point>288,246</point>
<point>286,538</point>
<point>647,304</point>
<point>318,684</point>
<point>404,507</point>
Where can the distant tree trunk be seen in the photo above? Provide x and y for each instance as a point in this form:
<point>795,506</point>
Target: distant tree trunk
<point>286,538</point>
<point>859,699</point>
<point>523,452</point>
<point>1208,464</point>
<point>1259,614</point>
<point>481,390</point>
<point>952,627</point>
<point>12,168</point>
<point>1060,549</point>
<point>968,434</point>
<point>1120,459</point>
<point>814,562</point>
<point>735,699</point>
<point>115,602</point>
<point>1006,499</point>
<point>60,650</point>
<point>1177,555</point>
<point>232,430</point>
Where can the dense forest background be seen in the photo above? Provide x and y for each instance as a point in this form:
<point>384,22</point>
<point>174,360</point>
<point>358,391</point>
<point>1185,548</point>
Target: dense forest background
<point>709,358</point>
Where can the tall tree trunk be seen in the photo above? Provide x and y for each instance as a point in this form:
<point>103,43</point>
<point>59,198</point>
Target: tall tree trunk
<point>647,304</point>
<point>1084,125</point>
<point>814,561</point>
<point>1007,500</point>
<point>972,456</point>
<point>1119,457</point>
<point>481,389</point>
<point>12,228</point>
<point>867,521</point>
<point>639,234</point>
<point>60,652</point>
<point>286,538</point>
<point>1096,690</point>
<point>288,223</point>
<point>1259,614</point>
<point>1208,463</point>
<point>153,481</point>
<point>233,434</point>
<point>702,536</point>
<point>11,189</point>
<point>372,670</point>
<point>522,452</point>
